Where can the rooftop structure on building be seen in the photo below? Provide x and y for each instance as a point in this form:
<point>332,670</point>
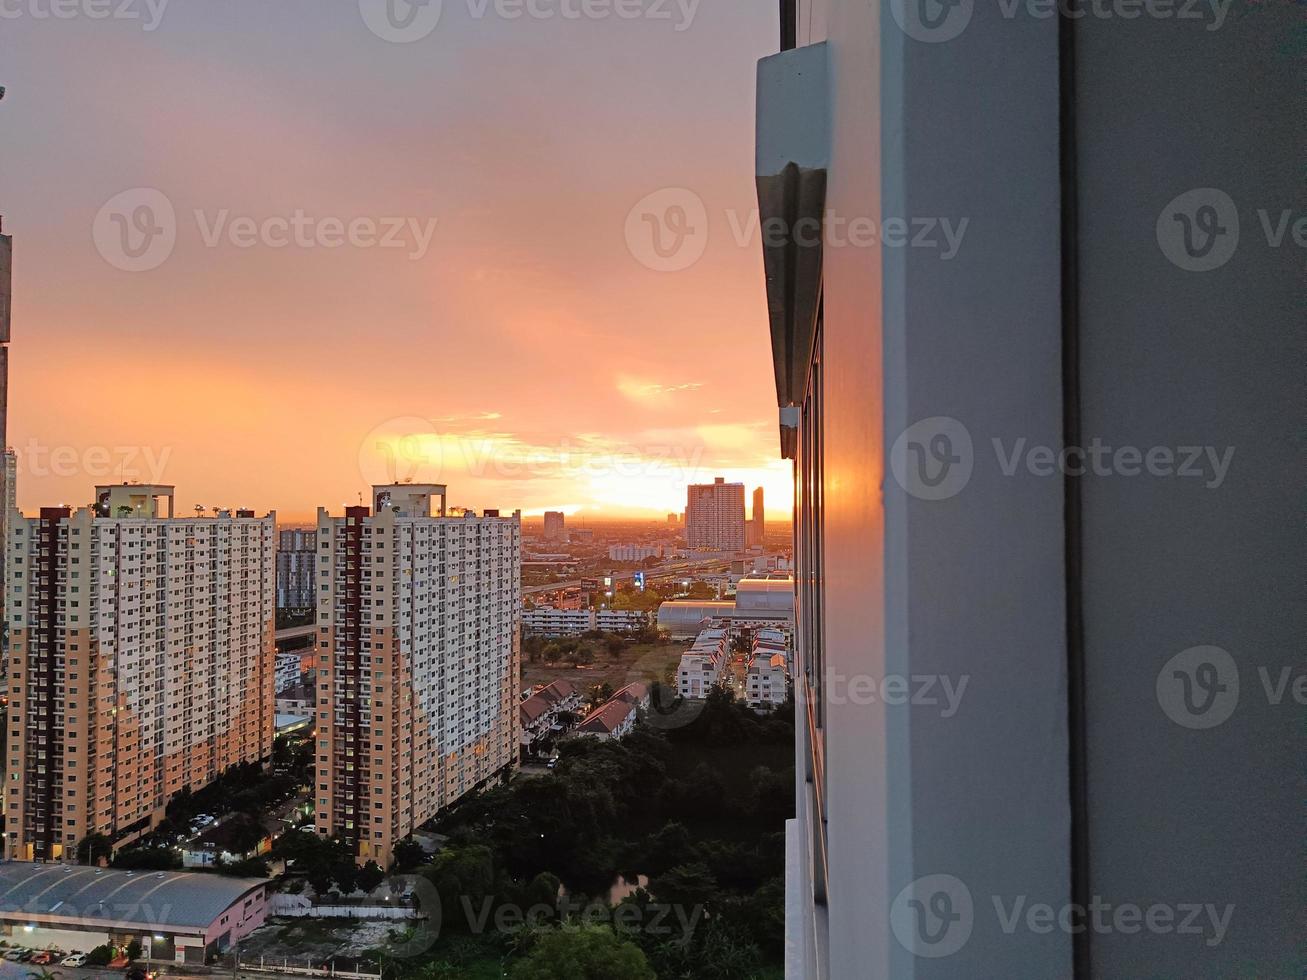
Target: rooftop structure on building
<point>760,601</point>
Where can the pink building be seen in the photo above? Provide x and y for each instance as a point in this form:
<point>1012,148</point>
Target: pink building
<point>178,916</point>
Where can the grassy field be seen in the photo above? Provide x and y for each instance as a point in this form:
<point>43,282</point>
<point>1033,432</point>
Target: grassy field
<point>646,662</point>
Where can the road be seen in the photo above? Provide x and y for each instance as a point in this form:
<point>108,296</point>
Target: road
<point>21,971</point>
<point>295,632</point>
<point>661,573</point>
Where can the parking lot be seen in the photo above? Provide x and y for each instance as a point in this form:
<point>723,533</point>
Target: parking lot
<point>19,971</point>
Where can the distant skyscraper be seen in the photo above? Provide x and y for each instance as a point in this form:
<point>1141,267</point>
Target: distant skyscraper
<point>673,519</point>
<point>6,294</point>
<point>418,663</point>
<point>141,662</point>
<point>7,487</point>
<point>714,516</point>
<point>297,556</point>
<point>757,526</point>
<point>555,526</point>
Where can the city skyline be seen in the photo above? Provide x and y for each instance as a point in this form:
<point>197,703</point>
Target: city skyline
<point>588,346</point>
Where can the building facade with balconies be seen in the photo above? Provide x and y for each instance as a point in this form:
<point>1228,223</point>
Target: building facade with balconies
<point>141,662</point>
<point>419,651</point>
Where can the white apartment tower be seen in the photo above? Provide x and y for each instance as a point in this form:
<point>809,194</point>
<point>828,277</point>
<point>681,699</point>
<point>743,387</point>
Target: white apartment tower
<point>419,651</point>
<point>141,662</point>
<point>714,516</point>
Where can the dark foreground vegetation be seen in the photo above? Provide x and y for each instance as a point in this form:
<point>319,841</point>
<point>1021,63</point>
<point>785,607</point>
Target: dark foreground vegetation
<point>695,814</point>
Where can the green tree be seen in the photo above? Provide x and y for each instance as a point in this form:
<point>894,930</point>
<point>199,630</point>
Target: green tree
<point>464,878</point>
<point>370,876</point>
<point>543,889</point>
<point>408,854</point>
<point>100,956</point>
<point>686,885</point>
<point>583,953</point>
<point>93,848</point>
<point>134,950</point>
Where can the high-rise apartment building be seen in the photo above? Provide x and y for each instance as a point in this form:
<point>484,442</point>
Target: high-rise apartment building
<point>714,516</point>
<point>6,301</point>
<point>297,560</point>
<point>555,525</point>
<point>8,488</point>
<point>11,480</point>
<point>8,504</point>
<point>141,662</point>
<point>419,653</point>
<point>1120,746</point>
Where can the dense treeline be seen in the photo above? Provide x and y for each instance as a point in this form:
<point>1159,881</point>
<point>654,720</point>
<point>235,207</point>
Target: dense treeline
<point>697,810</point>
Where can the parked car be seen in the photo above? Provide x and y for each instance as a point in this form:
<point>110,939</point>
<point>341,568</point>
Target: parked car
<point>76,959</point>
<point>15,953</point>
<point>25,956</point>
<point>43,958</point>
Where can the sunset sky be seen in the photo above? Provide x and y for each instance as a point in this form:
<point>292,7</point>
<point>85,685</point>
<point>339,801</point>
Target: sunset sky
<point>524,353</point>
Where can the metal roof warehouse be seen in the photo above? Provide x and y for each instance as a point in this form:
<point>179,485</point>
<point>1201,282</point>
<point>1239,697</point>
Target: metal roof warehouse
<point>174,915</point>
